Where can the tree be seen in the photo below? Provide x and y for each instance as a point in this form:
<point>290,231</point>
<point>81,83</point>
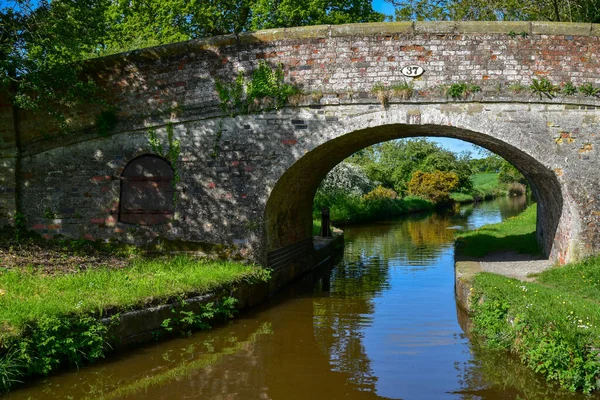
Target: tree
<point>135,24</point>
<point>498,10</point>
<point>491,163</point>
<point>393,163</point>
<point>509,174</point>
<point>40,44</point>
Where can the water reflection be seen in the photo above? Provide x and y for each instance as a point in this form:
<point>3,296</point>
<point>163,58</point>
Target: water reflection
<point>381,325</point>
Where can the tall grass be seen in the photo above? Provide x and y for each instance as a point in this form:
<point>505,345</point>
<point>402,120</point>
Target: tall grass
<point>349,209</point>
<point>27,296</point>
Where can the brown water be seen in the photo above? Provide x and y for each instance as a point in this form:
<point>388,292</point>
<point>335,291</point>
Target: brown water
<point>382,324</point>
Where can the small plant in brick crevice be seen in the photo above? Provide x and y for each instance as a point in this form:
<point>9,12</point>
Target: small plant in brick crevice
<point>20,226</point>
<point>382,93</point>
<point>461,90</point>
<point>544,87</point>
<point>589,90</point>
<point>517,88</point>
<point>569,89</point>
<point>403,90</point>
<point>265,90</point>
<point>49,214</point>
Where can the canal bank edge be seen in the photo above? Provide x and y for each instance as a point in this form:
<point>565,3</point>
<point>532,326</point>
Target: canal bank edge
<point>144,325</point>
<point>464,273</point>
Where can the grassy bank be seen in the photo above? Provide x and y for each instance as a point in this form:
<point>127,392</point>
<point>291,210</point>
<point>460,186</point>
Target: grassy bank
<point>554,331</point>
<point>515,233</point>
<point>486,186</point>
<point>347,209</point>
<point>53,320</point>
<point>553,324</point>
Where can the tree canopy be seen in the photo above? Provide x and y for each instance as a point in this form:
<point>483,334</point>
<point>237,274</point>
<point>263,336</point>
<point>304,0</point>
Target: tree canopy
<point>498,10</point>
<point>393,163</point>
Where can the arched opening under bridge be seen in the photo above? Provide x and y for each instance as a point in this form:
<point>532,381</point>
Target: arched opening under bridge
<point>288,215</point>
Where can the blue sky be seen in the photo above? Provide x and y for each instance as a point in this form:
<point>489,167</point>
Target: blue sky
<point>383,6</point>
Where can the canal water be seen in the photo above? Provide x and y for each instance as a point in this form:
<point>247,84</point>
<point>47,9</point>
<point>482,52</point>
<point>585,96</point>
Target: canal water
<point>382,324</point>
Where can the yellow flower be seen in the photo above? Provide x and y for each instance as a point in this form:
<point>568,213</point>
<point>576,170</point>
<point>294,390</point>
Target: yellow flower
<point>2,292</point>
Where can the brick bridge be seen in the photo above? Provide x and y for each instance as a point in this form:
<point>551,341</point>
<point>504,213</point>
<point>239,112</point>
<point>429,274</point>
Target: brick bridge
<point>247,182</point>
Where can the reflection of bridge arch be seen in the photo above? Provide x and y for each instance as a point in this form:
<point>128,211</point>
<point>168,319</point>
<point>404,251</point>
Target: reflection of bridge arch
<point>288,214</point>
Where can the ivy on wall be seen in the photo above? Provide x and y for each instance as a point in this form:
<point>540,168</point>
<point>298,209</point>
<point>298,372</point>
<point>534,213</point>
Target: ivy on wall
<point>170,151</point>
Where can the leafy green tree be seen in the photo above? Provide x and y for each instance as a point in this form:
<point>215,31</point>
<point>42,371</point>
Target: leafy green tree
<point>134,24</point>
<point>509,174</point>
<point>490,163</point>
<point>498,10</point>
<point>40,41</point>
<point>287,13</point>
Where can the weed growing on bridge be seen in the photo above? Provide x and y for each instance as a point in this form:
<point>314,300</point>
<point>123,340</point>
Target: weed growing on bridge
<point>382,93</point>
<point>544,87</point>
<point>265,90</point>
<point>461,90</point>
<point>401,90</point>
<point>589,90</point>
<point>569,89</point>
<point>517,88</point>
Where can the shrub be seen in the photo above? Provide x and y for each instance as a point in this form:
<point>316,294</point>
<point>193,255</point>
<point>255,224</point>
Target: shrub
<point>434,186</point>
<point>380,193</point>
<point>516,189</point>
<point>349,178</point>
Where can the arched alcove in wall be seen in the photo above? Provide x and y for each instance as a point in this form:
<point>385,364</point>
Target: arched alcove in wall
<point>147,192</point>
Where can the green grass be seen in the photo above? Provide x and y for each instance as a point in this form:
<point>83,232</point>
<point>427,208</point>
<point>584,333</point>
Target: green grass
<point>580,278</point>
<point>485,181</point>
<point>552,329</point>
<point>316,227</point>
<point>26,296</point>
<point>515,233</point>
<point>485,186</point>
<point>553,325</point>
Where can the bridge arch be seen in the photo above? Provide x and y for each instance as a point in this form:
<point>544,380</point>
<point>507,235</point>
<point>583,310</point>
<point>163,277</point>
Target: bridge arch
<point>288,212</point>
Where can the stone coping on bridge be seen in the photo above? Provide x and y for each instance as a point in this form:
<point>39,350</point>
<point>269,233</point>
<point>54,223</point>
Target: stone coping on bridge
<point>362,29</point>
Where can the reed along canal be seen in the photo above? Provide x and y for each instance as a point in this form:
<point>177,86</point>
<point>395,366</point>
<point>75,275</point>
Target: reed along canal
<point>382,324</point>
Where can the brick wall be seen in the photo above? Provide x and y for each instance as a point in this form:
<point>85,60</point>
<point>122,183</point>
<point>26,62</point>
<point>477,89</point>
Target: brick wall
<point>7,162</point>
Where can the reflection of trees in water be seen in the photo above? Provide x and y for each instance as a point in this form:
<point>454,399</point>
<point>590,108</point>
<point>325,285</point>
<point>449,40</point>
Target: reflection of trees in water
<point>513,205</point>
<point>414,240</point>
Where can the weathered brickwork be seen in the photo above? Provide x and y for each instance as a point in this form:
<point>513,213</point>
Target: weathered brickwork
<point>7,163</point>
<point>248,181</point>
